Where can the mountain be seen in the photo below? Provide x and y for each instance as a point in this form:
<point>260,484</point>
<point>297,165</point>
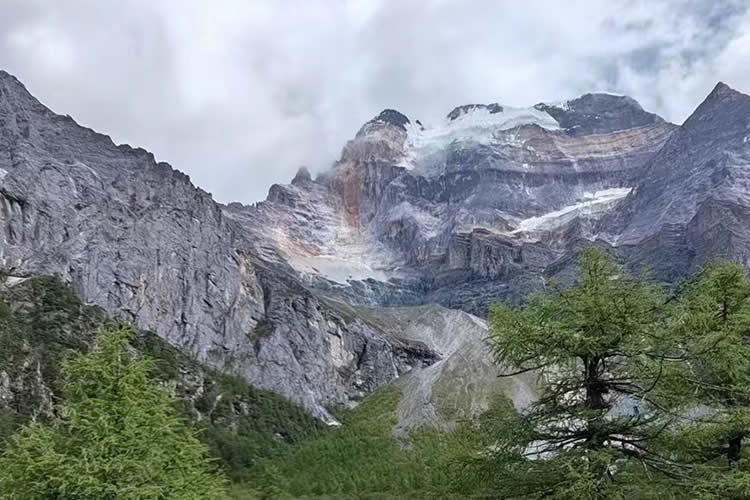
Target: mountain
<point>464,213</point>
<point>692,203</point>
<point>380,268</point>
<point>134,236</point>
<point>43,322</point>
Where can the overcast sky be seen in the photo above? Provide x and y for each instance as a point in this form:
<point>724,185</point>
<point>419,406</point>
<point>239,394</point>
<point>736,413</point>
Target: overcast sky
<point>239,94</point>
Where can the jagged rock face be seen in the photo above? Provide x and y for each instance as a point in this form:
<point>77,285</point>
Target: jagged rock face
<point>136,237</point>
<point>464,382</point>
<point>308,349</point>
<point>466,108</point>
<point>487,204</point>
<point>131,234</point>
<point>484,206</point>
<point>42,323</point>
<point>492,193</point>
<point>694,198</point>
<point>600,114</point>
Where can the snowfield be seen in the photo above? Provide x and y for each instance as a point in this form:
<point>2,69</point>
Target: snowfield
<point>591,204</point>
<point>477,125</point>
<point>338,269</point>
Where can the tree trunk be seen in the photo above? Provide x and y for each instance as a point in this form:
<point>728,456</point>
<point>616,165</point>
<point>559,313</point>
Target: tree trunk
<point>595,389</point>
<point>595,392</point>
<point>735,449</point>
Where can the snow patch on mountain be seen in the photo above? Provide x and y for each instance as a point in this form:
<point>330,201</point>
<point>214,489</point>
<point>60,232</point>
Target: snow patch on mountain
<point>428,223</point>
<point>564,105</point>
<point>477,125</point>
<point>337,268</point>
<point>337,252</point>
<point>591,203</point>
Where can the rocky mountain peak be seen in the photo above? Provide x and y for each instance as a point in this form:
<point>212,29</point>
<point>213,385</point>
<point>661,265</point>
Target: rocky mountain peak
<point>722,88</point>
<point>724,108</point>
<point>393,117</point>
<point>462,110</point>
<point>599,113</point>
<point>15,98</point>
<point>302,177</point>
<point>697,182</point>
<point>8,80</point>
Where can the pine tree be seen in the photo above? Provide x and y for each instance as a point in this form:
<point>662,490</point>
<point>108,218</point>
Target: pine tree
<point>712,319</point>
<point>270,487</point>
<point>600,351</point>
<point>118,437</point>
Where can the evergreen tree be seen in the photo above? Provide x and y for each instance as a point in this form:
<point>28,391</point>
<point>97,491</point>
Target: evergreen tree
<point>270,485</point>
<point>712,319</point>
<point>600,351</point>
<point>118,437</point>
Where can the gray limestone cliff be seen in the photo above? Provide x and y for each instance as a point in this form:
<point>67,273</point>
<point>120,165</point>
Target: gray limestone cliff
<point>136,237</point>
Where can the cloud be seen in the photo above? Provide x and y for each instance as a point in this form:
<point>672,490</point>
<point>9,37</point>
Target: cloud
<point>240,94</point>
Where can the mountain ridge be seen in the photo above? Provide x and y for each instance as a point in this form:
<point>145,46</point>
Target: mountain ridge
<point>485,207</point>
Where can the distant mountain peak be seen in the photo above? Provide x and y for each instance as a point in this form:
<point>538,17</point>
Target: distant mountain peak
<point>722,88</point>
<point>10,83</point>
<point>598,112</point>
<point>4,75</point>
<point>393,117</point>
<point>466,108</point>
<point>303,176</point>
<point>16,100</point>
<point>723,106</point>
<point>721,91</point>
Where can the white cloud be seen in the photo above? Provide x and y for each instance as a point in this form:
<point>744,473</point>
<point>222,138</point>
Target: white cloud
<point>239,94</point>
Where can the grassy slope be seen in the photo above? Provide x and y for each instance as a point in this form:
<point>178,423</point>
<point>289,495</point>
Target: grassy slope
<point>363,459</point>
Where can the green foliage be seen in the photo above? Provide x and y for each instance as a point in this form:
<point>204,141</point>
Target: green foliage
<point>42,323</point>
<point>118,437</point>
<point>601,349</point>
<point>644,396</point>
<point>271,485</point>
<point>358,457</point>
<point>9,423</point>
<point>363,459</point>
<point>166,358</point>
<point>245,425</point>
<point>712,319</point>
